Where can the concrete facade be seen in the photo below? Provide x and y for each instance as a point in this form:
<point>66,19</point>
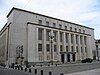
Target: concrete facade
<point>71,42</point>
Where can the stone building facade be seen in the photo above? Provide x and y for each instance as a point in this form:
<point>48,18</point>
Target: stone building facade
<point>27,35</point>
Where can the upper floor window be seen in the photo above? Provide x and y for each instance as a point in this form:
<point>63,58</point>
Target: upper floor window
<point>79,30</point>
<point>47,23</point>
<point>61,48</point>
<point>40,34</point>
<point>66,48</point>
<point>47,35</point>
<point>61,36</point>
<point>60,26</point>
<point>66,36</point>
<point>72,38</point>
<point>54,25</point>
<point>40,22</point>
<point>55,36</point>
<point>65,27</point>
<point>75,29</point>
<point>55,48</point>
<point>83,31</point>
<point>71,28</point>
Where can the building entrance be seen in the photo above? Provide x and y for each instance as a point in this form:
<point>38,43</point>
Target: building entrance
<point>62,58</point>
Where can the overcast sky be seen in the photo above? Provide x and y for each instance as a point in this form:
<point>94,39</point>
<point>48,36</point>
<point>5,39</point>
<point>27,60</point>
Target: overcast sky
<point>85,12</point>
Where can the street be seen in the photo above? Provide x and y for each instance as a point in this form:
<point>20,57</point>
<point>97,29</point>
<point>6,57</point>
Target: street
<point>88,72</point>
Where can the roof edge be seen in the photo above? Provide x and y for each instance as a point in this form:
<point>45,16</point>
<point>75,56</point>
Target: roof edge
<point>46,16</point>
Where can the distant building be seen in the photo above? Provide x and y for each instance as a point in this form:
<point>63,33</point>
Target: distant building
<point>26,36</point>
<point>97,51</point>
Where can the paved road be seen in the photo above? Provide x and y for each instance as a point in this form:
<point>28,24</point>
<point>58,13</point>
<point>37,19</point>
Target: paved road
<point>89,72</point>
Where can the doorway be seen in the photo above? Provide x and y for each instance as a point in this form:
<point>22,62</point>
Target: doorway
<point>62,58</point>
<point>68,57</point>
<point>73,57</point>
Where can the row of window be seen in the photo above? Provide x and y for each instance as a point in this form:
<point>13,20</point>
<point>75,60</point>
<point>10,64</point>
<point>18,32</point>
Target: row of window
<point>61,48</point>
<point>60,26</point>
<point>40,36</point>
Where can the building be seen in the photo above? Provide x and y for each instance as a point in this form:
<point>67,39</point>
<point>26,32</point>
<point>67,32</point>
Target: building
<point>26,38</point>
<point>97,51</point>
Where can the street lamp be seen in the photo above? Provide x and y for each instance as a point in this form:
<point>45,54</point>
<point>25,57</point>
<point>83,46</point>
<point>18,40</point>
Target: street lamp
<point>51,36</point>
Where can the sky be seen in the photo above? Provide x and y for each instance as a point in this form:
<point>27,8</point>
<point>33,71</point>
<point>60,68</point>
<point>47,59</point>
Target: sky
<point>84,12</point>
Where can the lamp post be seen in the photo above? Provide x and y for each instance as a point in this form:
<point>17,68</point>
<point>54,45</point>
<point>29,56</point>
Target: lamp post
<point>51,36</point>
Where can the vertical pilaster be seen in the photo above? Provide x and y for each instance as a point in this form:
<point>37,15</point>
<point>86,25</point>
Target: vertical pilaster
<point>79,47</point>
<point>69,42</point>
<point>58,46</point>
<point>44,44</point>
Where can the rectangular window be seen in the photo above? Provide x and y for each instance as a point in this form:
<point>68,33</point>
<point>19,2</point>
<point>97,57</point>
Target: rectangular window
<point>71,28</point>
<point>80,39</point>
<point>75,29</point>
<point>55,48</point>
<point>40,34</point>
<point>54,25</point>
<point>39,47</point>
<point>47,35</point>
<point>41,72</point>
<point>77,49</point>
<point>66,36</point>
<point>48,47</point>
<point>40,22</point>
<point>81,50</point>
<point>60,26</point>
<point>80,30</point>
<point>85,40</point>
<point>85,49</point>
<point>61,48</point>
<point>66,48</point>
<point>60,36</point>
<point>72,38</point>
<point>55,36</point>
<point>65,27</point>
<point>72,49</point>
<point>47,23</point>
<point>83,31</point>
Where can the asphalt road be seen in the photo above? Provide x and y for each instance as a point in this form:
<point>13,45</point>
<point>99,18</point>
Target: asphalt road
<point>88,72</point>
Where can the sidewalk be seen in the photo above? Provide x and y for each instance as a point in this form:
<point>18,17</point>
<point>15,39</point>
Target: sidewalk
<point>88,72</point>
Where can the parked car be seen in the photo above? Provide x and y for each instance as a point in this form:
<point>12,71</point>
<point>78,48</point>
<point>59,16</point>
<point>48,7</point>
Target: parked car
<point>87,60</point>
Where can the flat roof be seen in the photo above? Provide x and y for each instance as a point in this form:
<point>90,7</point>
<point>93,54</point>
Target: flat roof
<point>45,16</point>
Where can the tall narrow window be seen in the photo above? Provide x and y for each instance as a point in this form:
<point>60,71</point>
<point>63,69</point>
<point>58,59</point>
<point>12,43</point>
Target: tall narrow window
<point>77,49</point>
<point>60,36</point>
<point>80,30</point>
<point>61,48</point>
<point>83,31</point>
<point>39,47</point>
<point>75,29</point>
<point>66,36</point>
<point>55,48</point>
<point>55,36</point>
<point>72,49</point>
<point>40,22</point>
<point>40,34</point>
<point>81,39</point>
<point>48,47</point>
<point>66,48</point>
<point>70,28</point>
<point>85,40</point>
<point>47,23</point>
<point>72,38</point>
<point>47,35</point>
<point>76,39</point>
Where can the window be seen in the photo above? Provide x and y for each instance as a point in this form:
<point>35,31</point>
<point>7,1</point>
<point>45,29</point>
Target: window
<point>66,48</point>
<point>47,23</point>
<point>50,73</point>
<point>81,50</point>
<point>85,49</point>
<point>55,48</point>
<point>72,38</point>
<point>77,49</point>
<point>47,35</point>
<point>75,29</point>
<point>66,36</point>
<point>79,30</point>
<point>85,40</point>
<point>60,36</point>
<point>40,22</point>
<point>48,47</point>
<point>60,26</point>
<point>39,47</point>
<point>65,27</point>
<point>71,28</point>
<point>61,48</point>
<point>83,31</point>
<point>72,49</point>
<point>41,72</point>
<point>54,25</point>
<point>55,36</point>
<point>80,39</point>
<point>39,34</point>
